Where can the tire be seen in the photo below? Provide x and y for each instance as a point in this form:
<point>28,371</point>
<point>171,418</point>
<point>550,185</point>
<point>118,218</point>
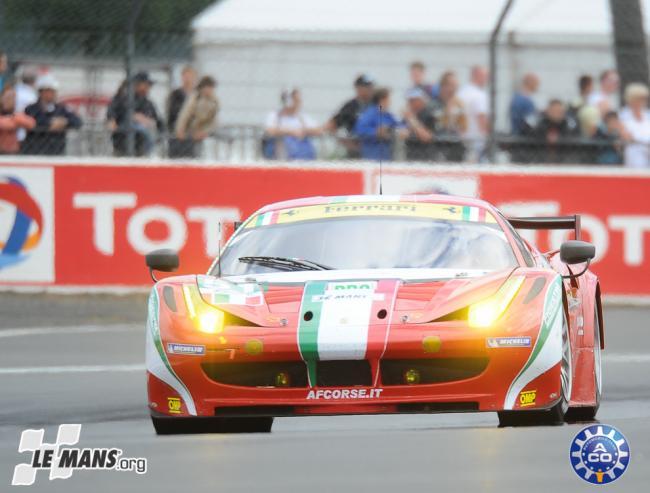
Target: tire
<point>184,426</point>
<point>555,415</point>
<point>588,413</point>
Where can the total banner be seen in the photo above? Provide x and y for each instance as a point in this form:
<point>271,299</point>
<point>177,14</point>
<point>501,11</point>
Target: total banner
<point>90,224</point>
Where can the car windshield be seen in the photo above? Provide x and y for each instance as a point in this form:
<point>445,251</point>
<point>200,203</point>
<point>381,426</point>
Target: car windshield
<point>370,242</point>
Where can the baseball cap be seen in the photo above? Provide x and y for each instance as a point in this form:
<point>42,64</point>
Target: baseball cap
<point>142,77</point>
<point>47,81</point>
<point>364,80</point>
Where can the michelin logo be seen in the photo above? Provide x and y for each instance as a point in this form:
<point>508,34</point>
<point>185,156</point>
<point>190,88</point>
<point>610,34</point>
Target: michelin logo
<point>345,394</point>
<point>498,342</point>
<point>176,348</point>
<point>61,459</point>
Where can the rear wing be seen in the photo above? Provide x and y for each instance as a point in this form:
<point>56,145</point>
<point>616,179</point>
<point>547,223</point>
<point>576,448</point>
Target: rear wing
<point>549,222</point>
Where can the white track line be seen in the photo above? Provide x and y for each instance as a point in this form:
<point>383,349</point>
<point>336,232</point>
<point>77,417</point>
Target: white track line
<point>627,358</point>
<point>41,370</point>
<point>87,329</point>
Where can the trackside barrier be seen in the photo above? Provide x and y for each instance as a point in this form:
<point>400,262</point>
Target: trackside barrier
<point>86,224</point>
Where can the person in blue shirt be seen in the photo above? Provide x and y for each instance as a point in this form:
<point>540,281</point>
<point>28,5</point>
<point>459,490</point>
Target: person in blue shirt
<point>523,113</point>
<point>376,128</point>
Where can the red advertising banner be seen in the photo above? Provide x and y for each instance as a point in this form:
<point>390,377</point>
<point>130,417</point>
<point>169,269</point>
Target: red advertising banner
<point>107,218</point>
<point>90,225</point>
<point>614,205</point>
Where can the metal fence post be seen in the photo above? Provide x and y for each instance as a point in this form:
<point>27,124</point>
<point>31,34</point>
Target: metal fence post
<point>494,37</point>
<point>136,8</point>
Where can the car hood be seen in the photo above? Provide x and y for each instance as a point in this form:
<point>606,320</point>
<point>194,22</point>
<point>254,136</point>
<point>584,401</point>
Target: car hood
<point>416,295</point>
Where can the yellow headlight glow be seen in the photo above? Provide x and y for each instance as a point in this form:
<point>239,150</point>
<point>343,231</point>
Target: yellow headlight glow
<point>486,312</point>
<point>211,321</point>
<point>206,318</point>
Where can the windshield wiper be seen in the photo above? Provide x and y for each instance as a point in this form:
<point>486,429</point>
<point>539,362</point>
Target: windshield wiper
<point>291,264</point>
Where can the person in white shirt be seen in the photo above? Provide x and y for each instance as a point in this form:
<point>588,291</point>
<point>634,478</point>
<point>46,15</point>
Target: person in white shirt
<point>475,99</point>
<point>288,130</point>
<point>635,118</point>
<point>26,94</point>
<point>606,98</point>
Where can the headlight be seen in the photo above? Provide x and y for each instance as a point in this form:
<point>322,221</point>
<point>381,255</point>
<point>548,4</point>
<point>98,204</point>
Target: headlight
<point>486,312</point>
<point>206,318</point>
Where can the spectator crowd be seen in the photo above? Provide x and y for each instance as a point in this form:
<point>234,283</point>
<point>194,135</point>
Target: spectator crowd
<point>441,121</point>
<point>447,121</point>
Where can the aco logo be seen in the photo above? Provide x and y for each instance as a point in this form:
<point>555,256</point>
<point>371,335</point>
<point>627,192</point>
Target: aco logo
<point>599,454</point>
<point>527,398</point>
<point>24,227</point>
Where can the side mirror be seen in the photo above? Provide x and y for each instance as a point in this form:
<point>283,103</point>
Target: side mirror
<point>164,260</point>
<point>577,252</point>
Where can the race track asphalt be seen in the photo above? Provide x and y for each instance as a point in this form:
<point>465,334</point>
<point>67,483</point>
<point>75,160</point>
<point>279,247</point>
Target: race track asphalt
<point>79,359</point>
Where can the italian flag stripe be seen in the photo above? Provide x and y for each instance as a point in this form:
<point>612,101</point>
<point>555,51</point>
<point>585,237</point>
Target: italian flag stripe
<point>308,329</point>
<point>472,214</point>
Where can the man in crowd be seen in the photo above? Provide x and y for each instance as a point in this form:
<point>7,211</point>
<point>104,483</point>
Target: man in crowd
<point>475,100</point>
<point>606,98</point>
<point>288,132</point>
<point>175,102</point>
<point>450,117</point>
<point>347,116</point>
<point>553,128</point>
<point>420,123</point>
<point>523,113</point>
<point>53,120</point>
<point>177,97</point>
<point>145,117</point>
<point>376,128</point>
<point>417,74</point>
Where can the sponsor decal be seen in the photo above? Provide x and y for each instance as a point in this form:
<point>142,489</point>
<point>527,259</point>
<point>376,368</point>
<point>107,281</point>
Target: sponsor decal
<point>220,291</point>
<point>335,394</point>
<point>599,454</point>
<point>178,348</point>
<point>353,206</point>
<point>26,233</point>
<point>527,398</point>
<point>174,405</point>
<point>61,459</point>
<point>499,342</point>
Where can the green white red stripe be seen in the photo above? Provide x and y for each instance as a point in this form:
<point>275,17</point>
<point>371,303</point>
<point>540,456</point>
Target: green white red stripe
<point>547,351</point>
<point>335,320</point>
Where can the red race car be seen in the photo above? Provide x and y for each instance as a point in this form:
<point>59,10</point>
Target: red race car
<point>376,305</point>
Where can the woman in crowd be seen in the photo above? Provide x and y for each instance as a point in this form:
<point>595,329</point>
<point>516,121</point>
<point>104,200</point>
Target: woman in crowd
<point>635,118</point>
<point>197,119</point>
<point>288,132</point>
<point>11,122</point>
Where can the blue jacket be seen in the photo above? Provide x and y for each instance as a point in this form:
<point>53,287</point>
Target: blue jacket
<point>366,128</point>
<point>40,140</point>
<point>521,108</point>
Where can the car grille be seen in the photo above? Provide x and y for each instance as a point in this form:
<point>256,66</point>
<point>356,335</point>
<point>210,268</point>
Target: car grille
<point>435,370</point>
<point>261,374</point>
<point>346,373</point>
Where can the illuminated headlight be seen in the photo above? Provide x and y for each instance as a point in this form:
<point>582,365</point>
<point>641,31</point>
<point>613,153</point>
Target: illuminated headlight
<point>486,312</point>
<point>206,318</point>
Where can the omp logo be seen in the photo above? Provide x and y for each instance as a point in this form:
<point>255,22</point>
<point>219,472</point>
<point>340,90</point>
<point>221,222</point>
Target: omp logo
<point>26,225</point>
<point>527,398</point>
<point>61,459</point>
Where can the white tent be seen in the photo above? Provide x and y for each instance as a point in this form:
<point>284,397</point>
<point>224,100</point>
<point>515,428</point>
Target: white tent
<point>257,47</point>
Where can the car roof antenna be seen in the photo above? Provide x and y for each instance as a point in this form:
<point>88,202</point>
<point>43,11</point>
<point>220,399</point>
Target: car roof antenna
<point>380,157</point>
<point>219,257</point>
